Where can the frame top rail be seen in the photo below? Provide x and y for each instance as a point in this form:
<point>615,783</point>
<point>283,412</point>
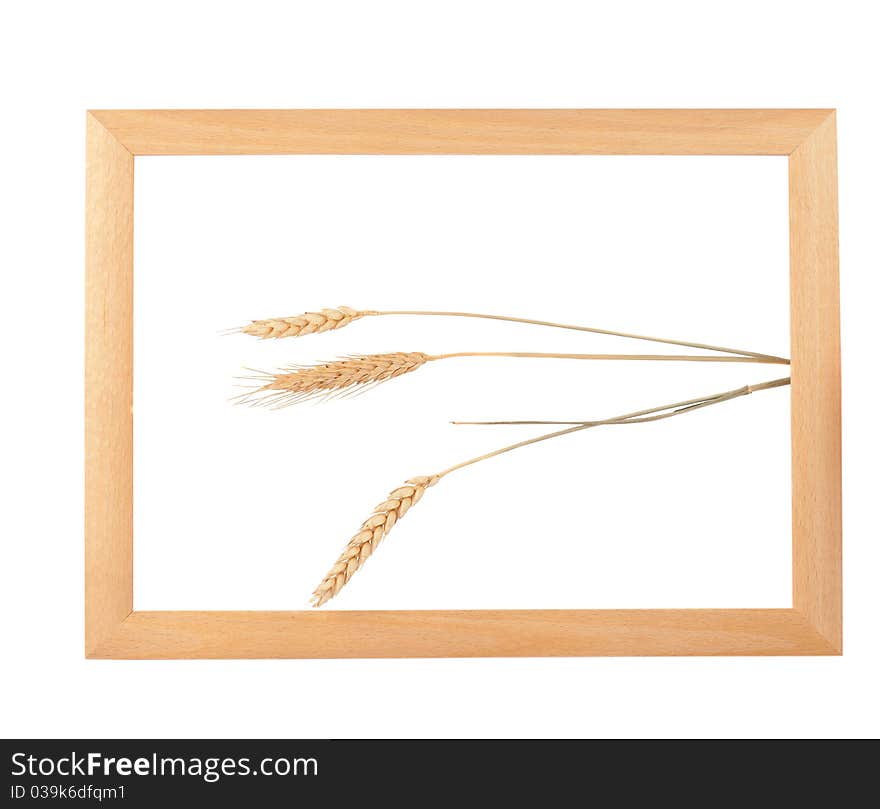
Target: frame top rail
<point>466,131</point>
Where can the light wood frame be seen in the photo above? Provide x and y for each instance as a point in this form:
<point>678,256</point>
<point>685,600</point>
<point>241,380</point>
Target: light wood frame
<point>813,624</point>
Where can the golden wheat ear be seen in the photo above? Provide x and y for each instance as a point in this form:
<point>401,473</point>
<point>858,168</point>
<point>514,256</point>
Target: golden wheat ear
<point>371,533</point>
<point>301,325</point>
<point>341,376</point>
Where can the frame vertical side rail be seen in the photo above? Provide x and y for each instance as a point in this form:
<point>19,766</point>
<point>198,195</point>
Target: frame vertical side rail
<point>815,385</point>
<point>108,383</point>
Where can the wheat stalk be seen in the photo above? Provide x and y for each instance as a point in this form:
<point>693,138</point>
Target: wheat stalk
<point>301,325</point>
<point>329,319</point>
<point>371,533</point>
<point>306,382</point>
<point>386,514</point>
<point>644,416</point>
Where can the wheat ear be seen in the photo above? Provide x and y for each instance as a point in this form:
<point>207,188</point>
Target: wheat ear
<point>301,325</point>
<point>386,514</point>
<point>347,374</point>
<point>302,383</point>
<point>371,533</point>
<point>327,319</point>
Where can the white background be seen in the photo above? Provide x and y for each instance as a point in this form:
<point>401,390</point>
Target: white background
<point>59,59</point>
<point>243,508</point>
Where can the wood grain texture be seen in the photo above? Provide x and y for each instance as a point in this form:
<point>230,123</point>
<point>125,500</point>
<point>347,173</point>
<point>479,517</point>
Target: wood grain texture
<point>815,383</point>
<point>811,627</point>
<point>108,383</point>
<point>469,633</point>
<point>607,132</point>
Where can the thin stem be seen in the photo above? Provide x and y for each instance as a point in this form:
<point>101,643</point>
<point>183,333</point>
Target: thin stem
<point>590,329</point>
<point>633,418</point>
<point>626,418</point>
<point>649,357</point>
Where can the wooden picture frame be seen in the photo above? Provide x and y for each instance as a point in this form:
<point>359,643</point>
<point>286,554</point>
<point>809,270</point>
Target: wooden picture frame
<point>813,623</point>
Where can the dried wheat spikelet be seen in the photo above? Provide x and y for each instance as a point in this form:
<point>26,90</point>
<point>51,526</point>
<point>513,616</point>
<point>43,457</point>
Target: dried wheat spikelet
<point>371,533</point>
<point>347,374</point>
<point>386,514</point>
<point>301,325</point>
<point>329,319</point>
<point>359,372</point>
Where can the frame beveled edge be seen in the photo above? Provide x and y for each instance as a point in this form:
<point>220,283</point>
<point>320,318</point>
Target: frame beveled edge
<point>813,626</point>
